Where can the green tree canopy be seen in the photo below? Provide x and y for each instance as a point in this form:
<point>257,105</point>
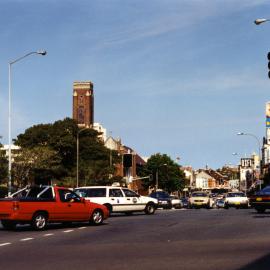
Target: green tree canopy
<point>164,172</point>
<point>39,163</point>
<point>60,141</point>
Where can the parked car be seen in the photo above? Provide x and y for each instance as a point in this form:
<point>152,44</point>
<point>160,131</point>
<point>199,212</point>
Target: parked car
<point>176,202</point>
<point>200,199</point>
<point>39,205</point>
<point>185,202</point>
<point>236,199</point>
<point>261,200</point>
<point>118,199</point>
<point>165,201</point>
<point>220,203</point>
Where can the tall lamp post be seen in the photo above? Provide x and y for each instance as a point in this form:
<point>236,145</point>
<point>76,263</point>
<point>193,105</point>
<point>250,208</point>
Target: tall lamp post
<point>259,146</point>
<point>157,174</point>
<point>40,52</point>
<point>77,170</point>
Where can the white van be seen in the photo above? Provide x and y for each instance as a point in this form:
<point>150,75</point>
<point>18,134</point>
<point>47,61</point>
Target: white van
<point>118,199</point>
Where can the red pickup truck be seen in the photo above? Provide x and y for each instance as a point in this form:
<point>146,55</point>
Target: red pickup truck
<point>39,205</point>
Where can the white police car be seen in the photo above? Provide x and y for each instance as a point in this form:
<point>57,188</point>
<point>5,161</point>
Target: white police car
<point>118,199</point>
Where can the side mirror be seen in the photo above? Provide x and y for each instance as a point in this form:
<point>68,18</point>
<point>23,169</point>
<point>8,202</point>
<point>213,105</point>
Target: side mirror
<point>82,200</point>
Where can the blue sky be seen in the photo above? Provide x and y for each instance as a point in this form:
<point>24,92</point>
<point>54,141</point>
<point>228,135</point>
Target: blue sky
<point>180,77</point>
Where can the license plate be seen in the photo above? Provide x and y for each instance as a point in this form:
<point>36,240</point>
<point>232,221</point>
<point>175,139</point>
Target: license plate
<point>258,199</point>
<point>163,202</point>
<point>237,203</point>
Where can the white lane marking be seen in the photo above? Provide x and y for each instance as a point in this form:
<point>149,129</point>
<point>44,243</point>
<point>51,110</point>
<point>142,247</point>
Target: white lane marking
<point>26,239</point>
<point>4,244</point>
<point>82,228</point>
<point>67,231</point>
<point>48,234</point>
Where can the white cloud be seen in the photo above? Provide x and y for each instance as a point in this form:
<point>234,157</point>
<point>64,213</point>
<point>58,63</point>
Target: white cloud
<point>176,15</point>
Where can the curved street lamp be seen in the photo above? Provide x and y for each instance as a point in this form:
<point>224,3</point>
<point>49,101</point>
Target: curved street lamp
<point>259,21</point>
<point>159,166</point>
<point>259,145</point>
<point>40,52</point>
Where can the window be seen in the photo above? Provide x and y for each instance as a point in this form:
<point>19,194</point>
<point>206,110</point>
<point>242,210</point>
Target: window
<point>96,192</point>
<point>236,194</point>
<point>130,193</point>
<point>47,194</point>
<point>81,192</point>
<point>34,191</point>
<point>91,192</point>
<point>68,196</point>
<point>115,192</point>
<point>266,190</point>
<point>199,194</point>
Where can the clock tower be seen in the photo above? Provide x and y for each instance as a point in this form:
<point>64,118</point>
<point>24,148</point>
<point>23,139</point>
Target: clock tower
<point>83,104</point>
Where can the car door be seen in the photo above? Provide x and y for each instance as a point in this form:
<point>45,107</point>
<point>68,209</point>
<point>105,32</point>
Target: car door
<point>133,201</point>
<point>71,206</point>
<point>117,199</point>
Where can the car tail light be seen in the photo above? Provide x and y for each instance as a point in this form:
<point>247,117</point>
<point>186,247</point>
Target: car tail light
<point>15,206</point>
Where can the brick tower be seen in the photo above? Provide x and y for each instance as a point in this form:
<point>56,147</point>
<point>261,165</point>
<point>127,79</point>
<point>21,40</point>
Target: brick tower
<point>83,103</point>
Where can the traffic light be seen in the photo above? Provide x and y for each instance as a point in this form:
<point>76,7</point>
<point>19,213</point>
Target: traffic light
<point>127,160</point>
<point>268,57</point>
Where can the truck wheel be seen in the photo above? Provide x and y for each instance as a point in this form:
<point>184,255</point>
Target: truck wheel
<point>97,217</point>
<point>39,221</point>
<point>8,224</point>
<point>150,209</point>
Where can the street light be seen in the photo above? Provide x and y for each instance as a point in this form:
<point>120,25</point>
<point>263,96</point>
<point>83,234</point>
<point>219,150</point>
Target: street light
<point>77,171</point>
<point>165,164</point>
<point>40,52</point>
<point>259,145</point>
<point>259,21</point>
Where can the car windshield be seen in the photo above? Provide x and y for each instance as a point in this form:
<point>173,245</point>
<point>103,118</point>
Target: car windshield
<point>236,194</point>
<point>160,195</point>
<point>265,190</point>
<point>199,194</point>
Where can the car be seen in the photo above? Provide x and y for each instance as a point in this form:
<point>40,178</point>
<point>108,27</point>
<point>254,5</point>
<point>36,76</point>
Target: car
<point>164,199</point>
<point>40,205</point>
<point>261,200</point>
<point>185,202</point>
<point>118,199</point>
<point>220,203</point>
<point>176,202</point>
<point>236,199</point>
<point>200,199</point>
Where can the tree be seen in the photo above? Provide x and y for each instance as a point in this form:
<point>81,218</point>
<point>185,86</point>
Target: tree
<point>39,165</point>
<point>164,172</point>
<point>61,137</point>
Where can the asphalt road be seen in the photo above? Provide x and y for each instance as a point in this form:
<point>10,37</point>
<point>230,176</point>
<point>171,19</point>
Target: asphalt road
<point>171,239</point>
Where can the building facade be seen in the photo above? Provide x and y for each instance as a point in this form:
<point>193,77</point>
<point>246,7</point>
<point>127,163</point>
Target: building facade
<point>83,104</point>
<point>101,130</point>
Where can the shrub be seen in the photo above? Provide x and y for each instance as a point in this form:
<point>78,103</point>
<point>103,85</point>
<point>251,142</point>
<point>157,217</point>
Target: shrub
<point>3,191</point>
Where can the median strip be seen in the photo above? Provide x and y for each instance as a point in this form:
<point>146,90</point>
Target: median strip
<point>4,244</point>
<point>48,234</point>
<point>68,231</point>
<point>26,239</point>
